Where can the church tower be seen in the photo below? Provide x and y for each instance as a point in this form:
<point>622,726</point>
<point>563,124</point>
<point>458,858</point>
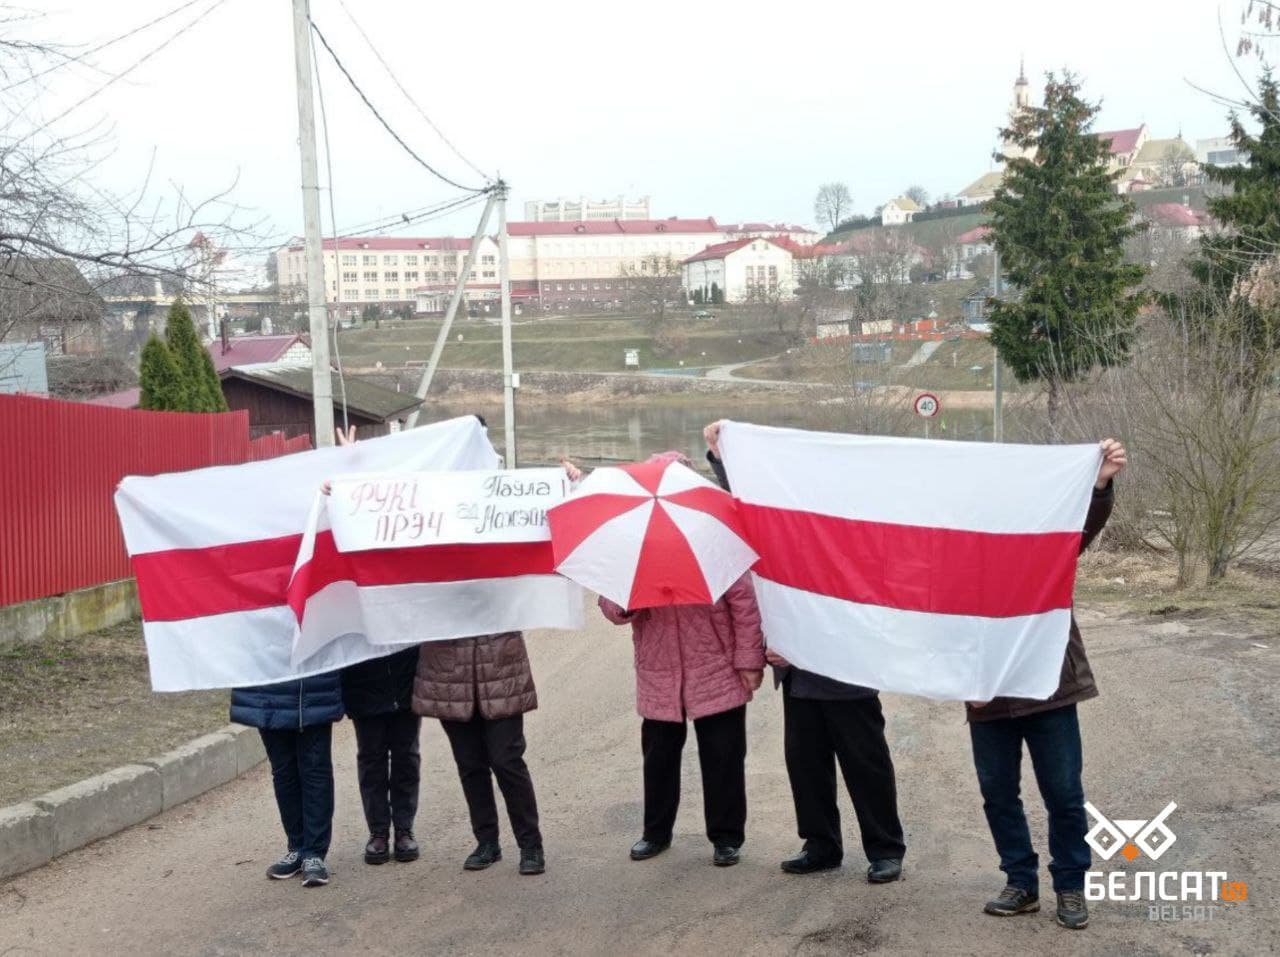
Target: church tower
<point>1021,101</point>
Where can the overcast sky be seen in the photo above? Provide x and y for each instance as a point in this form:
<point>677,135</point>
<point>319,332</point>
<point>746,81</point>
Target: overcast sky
<point>711,108</point>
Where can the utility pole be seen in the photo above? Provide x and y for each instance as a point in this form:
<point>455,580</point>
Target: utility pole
<point>997,423</point>
<point>321,381</point>
<point>459,287</point>
<point>508,365</point>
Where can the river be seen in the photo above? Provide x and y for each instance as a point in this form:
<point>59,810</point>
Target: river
<point>604,433</point>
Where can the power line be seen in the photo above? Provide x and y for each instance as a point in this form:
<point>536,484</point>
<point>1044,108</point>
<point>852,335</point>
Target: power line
<point>129,69</point>
<point>387,126</point>
<point>392,219</point>
<point>438,212</point>
<point>400,86</point>
<point>79,57</point>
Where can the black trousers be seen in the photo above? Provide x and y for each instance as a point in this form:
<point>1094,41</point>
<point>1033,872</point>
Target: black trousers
<point>302,775</point>
<point>485,749</point>
<point>388,765</point>
<point>722,755</point>
<point>817,734</point>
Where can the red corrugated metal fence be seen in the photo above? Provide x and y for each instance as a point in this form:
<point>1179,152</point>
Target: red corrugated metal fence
<point>60,463</point>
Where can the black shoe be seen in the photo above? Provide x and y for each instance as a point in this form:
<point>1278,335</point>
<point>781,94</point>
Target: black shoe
<point>485,855</point>
<point>532,861</point>
<point>884,871</point>
<point>644,849</point>
<point>726,856</point>
<point>1013,900</point>
<point>314,873</point>
<point>378,850</point>
<point>406,847</point>
<point>804,863</point>
<point>1072,912</point>
<point>287,867</point>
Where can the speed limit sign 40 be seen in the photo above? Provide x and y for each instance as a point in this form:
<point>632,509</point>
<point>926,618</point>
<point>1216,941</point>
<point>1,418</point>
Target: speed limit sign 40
<point>927,405</point>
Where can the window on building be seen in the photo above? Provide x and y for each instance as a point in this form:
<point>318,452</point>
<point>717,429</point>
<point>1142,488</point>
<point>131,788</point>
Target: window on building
<point>371,275</point>
<point>571,287</point>
<point>433,275</point>
<point>369,261</point>
<point>371,294</point>
<point>351,276</point>
<point>433,260</point>
<point>410,275</point>
<point>348,260</point>
<point>489,274</point>
<point>390,260</point>
<point>393,294</point>
<point>391,275</point>
<point>411,260</point>
<point>487,260</point>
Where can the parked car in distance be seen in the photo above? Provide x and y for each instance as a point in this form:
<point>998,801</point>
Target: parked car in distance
<point>703,314</point>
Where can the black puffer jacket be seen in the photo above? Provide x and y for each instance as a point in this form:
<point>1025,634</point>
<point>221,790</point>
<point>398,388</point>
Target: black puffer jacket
<point>289,705</point>
<point>380,685</point>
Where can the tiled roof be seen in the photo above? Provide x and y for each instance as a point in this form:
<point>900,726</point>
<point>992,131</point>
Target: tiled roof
<point>984,184</point>
<point>979,234</point>
<point>392,243</point>
<point>719,250</point>
<point>1171,214</point>
<point>764,228</point>
<point>1122,141</point>
<point>1153,151</point>
<point>596,227</point>
<point>905,203</point>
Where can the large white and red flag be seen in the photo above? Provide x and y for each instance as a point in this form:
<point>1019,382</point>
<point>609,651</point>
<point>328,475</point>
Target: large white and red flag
<point>214,550</point>
<point>943,569</point>
<point>407,557</point>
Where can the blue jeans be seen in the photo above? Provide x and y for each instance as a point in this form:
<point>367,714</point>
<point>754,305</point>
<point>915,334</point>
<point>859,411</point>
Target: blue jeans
<point>302,774</point>
<point>1053,741</point>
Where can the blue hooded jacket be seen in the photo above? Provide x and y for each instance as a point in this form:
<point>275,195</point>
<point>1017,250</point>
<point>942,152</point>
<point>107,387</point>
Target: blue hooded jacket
<point>290,705</point>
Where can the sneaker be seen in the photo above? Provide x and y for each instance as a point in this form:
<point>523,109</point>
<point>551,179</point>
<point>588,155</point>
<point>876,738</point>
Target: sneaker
<point>314,873</point>
<point>532,861</point>
<point>1072,912</point>
<point>406,847</point>
<point>378,850</point>
<point>485,855</point>
<point>286,867</point>
<point>1013,900</point>
<point>726,855</point>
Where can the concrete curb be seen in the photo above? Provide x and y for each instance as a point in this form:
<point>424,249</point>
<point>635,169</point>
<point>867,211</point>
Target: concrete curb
<point>34,832</point>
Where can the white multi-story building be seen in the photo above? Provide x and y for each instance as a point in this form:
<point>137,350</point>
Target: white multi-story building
<point>393,271</point>
<point>584,210</point>
<point>740,270</point>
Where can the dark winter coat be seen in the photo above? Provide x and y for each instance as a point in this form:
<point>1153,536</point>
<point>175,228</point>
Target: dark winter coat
<point>289,705</point>
<point>798,682</point>
<point>1076,682</point>
<point>488,671</point>
<point>380,685</point>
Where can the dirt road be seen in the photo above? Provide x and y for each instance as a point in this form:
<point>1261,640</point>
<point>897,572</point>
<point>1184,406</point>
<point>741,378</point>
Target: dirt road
<point>1188,714</point>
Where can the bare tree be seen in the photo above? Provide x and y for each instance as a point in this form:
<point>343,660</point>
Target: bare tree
<point>1175,162</point>
<point>918,195</point>
<point>52,211</point>
<point>651,283</point>
<point>833,203</point>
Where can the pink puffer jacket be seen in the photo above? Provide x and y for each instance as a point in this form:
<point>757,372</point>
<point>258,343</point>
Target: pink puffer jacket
<point>688,656</point>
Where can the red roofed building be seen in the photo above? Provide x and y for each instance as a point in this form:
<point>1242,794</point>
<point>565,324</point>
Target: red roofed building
<point>1124,144</point>
<point>740,270</point>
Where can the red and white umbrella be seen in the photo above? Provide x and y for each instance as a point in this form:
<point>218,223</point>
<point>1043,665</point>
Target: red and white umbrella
<point>654,533</point>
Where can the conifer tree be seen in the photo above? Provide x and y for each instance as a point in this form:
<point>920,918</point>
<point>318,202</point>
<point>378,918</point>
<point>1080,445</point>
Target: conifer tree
<point>160,381</point>
<point>199,382</point>
<point>1060,230</point>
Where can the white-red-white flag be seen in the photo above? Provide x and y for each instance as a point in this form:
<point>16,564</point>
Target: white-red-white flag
<point>943,569</point>
<point>214,550</point>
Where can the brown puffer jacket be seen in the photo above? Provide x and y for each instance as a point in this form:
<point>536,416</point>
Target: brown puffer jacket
<point>1076,683</point>
<point>489,670</point>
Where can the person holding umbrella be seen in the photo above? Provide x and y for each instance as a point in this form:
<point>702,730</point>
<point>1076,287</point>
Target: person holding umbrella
<point>699,663</point>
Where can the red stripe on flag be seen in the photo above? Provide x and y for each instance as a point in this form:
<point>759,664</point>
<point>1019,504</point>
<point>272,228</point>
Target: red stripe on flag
<point>935,570</point>
<point>198,582</point>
